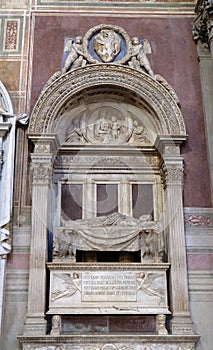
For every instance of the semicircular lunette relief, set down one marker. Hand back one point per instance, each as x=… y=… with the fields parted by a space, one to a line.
x=107 y=122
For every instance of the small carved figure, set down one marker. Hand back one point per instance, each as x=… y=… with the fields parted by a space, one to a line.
x=115 y=128
x=153 y=249
x=107 y=44
x=139 y=56
x=160 y=325
x=111 y=220
x=63 y=245
x=145 y=282
x=138 y=133
x=75 y=57
x=72 y=285
x=56 y=325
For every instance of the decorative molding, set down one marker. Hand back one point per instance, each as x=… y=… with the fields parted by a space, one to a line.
x=198 y=218
x=67 y=163
x=200 y=285
x=12 y=33
x=118 y=342
x=51 y=100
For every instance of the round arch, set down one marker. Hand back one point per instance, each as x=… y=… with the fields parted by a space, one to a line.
x=143 y=89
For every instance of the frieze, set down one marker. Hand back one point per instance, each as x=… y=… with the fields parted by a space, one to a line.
x=129 y=344
x=198 y=220
x=91 y=162
x=41 y=148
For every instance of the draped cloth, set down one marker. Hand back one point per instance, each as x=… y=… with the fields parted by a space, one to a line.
x=115 y=232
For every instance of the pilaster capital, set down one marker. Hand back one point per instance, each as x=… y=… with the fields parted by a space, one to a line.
x=202 y=27
x=172 y=173
x=44 y=143
x=169 y=146
x=42 y=158
x=41 y=167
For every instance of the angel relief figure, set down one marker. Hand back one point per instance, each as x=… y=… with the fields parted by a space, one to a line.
x=75 y=57
x=150 y=284
x=140 y=50
x=70 y=285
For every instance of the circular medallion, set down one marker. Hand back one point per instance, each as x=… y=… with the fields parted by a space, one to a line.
x=107 y=44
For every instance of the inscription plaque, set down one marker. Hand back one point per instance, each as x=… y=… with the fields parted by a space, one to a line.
x=108 y=289
x=109 y=286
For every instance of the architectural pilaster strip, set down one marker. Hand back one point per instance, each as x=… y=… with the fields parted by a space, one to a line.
x=5 y=248
x=203 y=36
x=172 y=170
x=42 y=162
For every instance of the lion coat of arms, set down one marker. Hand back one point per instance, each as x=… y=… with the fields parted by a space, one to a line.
x=107 y=45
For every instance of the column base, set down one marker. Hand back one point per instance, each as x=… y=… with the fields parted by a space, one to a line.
x=181 y=325
x=35 y=325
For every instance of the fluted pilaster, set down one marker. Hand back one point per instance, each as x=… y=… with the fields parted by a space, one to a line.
x=41 y=164
x=172 y=176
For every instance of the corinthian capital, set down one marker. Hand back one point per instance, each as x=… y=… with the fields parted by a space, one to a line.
x=172 y=174
x=201 y=26
x=41 y=173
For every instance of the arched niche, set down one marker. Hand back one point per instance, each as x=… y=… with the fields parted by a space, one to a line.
x=122 y=89
x=83 y=83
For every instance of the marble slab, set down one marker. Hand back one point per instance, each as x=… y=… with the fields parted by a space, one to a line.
x=108 y=288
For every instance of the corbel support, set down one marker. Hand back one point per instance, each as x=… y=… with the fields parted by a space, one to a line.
x=42 y=159
x=172 y=176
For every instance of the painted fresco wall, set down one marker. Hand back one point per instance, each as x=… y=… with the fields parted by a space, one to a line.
x=31 y=47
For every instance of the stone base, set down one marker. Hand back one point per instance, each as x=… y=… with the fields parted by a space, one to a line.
x=35 y=325
x=109 y=342
x=181 y=325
